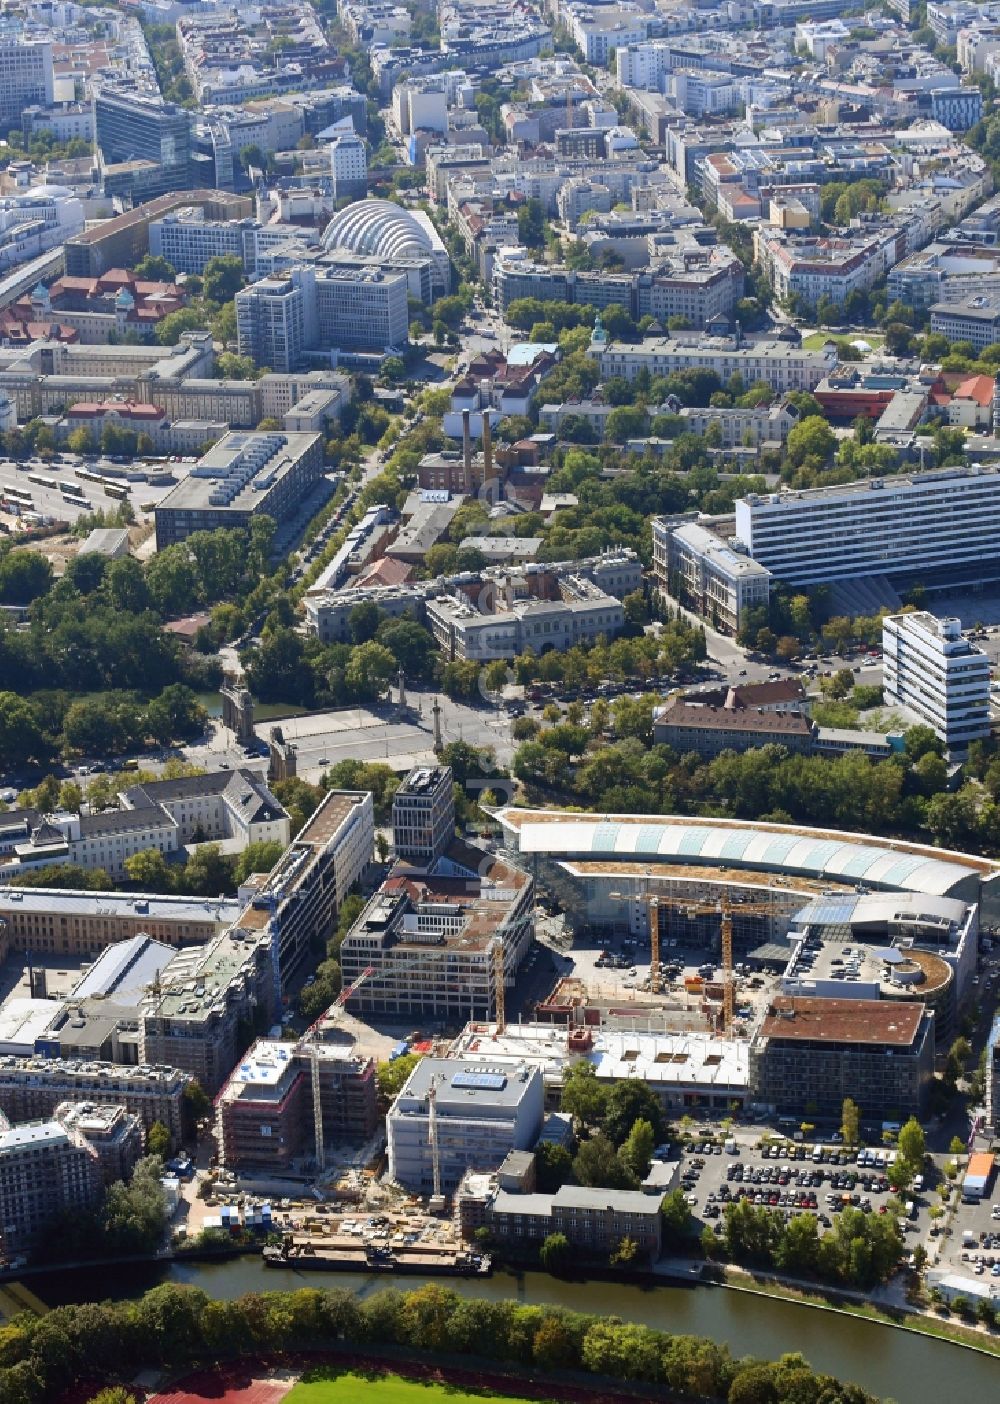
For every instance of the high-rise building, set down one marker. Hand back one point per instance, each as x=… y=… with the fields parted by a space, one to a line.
x=270 y=322
x=349 y=166
x=25 y=77
x=131 y=128
x=280 y=318
x=930 y=668
x=423 y=816
x=937 y=527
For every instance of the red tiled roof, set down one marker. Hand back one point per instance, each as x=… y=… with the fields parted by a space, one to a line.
x=978 y=388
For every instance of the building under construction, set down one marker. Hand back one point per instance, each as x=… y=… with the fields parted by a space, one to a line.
x=265 y=1114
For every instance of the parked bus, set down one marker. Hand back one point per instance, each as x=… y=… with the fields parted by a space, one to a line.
x=71 y=488
x=116 y=490
x=19 y=495
x=41 y=480
x=88 y=475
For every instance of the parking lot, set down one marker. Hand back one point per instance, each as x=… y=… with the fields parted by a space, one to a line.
x=973 y=1245
x=791 y=1177
x=38 y=484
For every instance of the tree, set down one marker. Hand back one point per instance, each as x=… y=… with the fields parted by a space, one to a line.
x=391 y=1077
x=596 y=1164
x=636 y=1151
x=556 y=1254
x=21 y=736
x=116 y=1394
x=209 y=872
x=583 y=1097
x=624 y=1253
x=553 y=1167
x=363 y=621
x=170 y=329
x=850 y=1122
x=158 y=1139
x=150 y=871
x=677 y=1219
x=154 y=268
x=257 y=858
x=628 y=1102
x=531 y=224
x=24 y=576
x=911 y=1151
x=812 y=438
x=318 y=996
x=223 y=278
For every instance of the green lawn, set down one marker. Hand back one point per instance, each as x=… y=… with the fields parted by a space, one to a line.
x=328 y=1386
x=817 y=339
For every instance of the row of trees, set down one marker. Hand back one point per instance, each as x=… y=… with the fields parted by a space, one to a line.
x=905 y=794
x=859 y=1250
x=40 y=1357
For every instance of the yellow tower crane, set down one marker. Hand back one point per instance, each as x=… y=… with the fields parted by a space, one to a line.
x=691 y=907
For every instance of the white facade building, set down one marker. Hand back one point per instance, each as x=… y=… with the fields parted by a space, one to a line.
x=780 y=364
x=481 y=1113
x=930 y=668
x=943 y=523
x=721 y=584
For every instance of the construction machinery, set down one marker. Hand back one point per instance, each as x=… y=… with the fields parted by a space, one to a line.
x=691 y=908
x=499 y=988
x=310 y=1040
x=437 y=1198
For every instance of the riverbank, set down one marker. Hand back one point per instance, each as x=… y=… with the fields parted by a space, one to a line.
x=915 y=1366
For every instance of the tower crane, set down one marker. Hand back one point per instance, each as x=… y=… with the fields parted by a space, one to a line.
x=432 y=1136
x=499 y=987
x=692 y=907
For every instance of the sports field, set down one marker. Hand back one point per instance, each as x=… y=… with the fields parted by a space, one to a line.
x=329 y=1387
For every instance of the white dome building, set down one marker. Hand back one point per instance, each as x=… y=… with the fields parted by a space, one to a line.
x=380 y=229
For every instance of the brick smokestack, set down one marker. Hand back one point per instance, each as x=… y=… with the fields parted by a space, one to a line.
x=487 y=448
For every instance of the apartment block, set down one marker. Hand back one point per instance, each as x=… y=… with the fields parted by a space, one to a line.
x=811 y=1053
x=130 y=127
x=311 y=308
x=265 y=1112
x=46 y=1170
x=481 y=1112
x=32 y=1087
x=262 y=1112
x=115 y=1133
x=709 y=730
x=930 y=668
x=593 y=1220
x=936 y=526
x=349 y=166
x=304 y=891
x=975 y=319
x=993 y=1078
x=194 y=1018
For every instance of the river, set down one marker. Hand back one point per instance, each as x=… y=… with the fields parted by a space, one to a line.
x=909 y=1368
